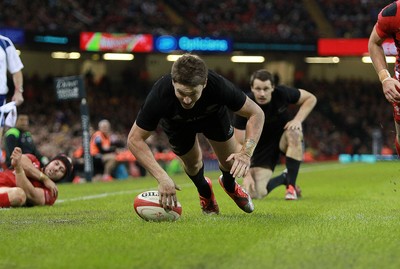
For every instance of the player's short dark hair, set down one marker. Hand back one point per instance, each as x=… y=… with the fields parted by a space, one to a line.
x=189 y=70
x=262 y=75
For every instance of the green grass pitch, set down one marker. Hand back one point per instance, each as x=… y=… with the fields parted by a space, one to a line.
x=349 y=217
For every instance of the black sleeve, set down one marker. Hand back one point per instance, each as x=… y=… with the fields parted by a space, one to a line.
x=231 y=96
x=239 y=122
x=292 y=95
x=152 y=110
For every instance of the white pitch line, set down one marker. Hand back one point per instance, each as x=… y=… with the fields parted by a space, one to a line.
x=103 y=195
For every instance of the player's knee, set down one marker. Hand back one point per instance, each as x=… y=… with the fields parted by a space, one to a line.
x=259 y=193
x=17 y=197
x=295 y=138
x=193 y=167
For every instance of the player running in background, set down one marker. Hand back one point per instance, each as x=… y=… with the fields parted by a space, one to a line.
x=10 y=60
x=191 y=100
x=388 y=26
x=29 y=185
x=281 y=134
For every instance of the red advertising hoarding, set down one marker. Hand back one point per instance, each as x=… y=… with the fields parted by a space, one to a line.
x=350 y=47
x=96 y=41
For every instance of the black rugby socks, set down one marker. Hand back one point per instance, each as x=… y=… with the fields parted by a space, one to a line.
x=276 y=181
x=201 y=184
x=229 y=181
x=293 y=167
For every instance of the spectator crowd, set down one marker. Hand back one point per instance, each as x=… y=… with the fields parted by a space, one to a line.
x=347 y=113
x=273 y=21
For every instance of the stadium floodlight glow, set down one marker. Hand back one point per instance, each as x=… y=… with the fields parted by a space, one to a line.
x=247 y=59
x=118 y=56
x=74 y=55
x=65 y=55
x=389 y=59
x=322 y=60
x=173 y=57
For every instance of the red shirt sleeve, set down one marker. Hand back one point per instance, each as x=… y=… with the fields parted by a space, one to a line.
x=48 y=198
x=388 y=20
x=34 y=160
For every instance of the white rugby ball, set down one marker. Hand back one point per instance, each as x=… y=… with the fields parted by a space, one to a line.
x=147 y=206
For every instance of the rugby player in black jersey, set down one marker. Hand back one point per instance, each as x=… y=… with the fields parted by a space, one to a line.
x=188 y=101
x=281 y=134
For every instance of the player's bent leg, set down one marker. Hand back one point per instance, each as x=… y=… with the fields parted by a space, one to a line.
x=397 y=138
x=249 y=184
x=16 y=197
x=239 y=196
x=194 y=168
x=292 y=144
x=396 y=112
x=223 y=150
x=397 y=144
x=192 y=160
x=209 y=206
x=261 y=178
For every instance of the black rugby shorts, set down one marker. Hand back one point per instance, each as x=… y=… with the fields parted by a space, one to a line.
x=182 y=135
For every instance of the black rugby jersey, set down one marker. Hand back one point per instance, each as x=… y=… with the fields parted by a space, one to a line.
x=276 y=112
x=162 y=104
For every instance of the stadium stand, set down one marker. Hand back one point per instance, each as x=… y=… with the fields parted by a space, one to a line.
x=339 y=124
x=351 y=19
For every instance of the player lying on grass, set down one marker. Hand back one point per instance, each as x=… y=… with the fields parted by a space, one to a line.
x=26 y=184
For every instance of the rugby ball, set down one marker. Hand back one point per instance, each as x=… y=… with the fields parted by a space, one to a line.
x=147 y=206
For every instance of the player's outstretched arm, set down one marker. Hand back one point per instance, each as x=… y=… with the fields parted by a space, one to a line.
x=306 y=103
x=255 y=123
x=390 y=85
x=139 y=148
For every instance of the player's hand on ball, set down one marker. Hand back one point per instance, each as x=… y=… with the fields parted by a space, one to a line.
x=167 y=194
x=147 y=206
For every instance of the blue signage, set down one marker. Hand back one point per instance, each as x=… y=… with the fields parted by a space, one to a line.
x=166 y=43
x=205 y=44
x=51 y=39
x=16 y=35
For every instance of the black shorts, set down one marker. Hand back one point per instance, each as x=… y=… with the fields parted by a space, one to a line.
x=182 y=135
x=267 y=154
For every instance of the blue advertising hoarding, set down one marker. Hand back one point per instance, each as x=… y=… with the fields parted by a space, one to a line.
x=167 y=43
x=16 y=35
